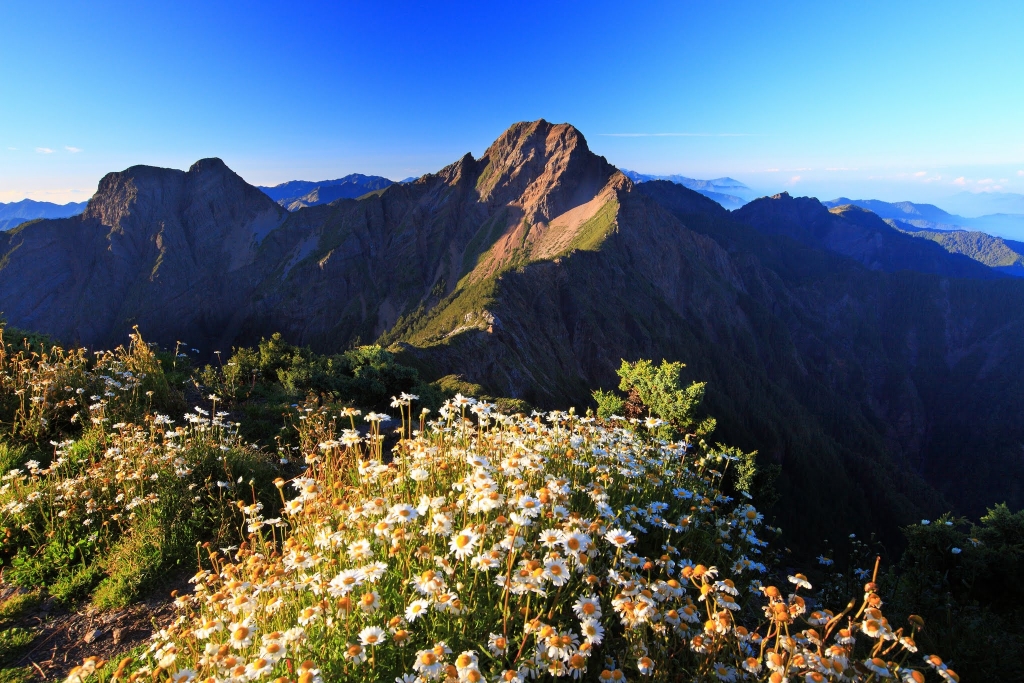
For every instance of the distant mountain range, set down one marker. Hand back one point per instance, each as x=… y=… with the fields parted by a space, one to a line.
x=931 y=217
x=16 y=213
x=868 y=366
x=730 y=193
x=297 y=194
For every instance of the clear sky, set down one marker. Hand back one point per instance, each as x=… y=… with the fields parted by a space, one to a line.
x=893 y=100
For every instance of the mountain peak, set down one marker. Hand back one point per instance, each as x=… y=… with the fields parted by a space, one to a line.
x=526 y=140
x=210 y=165
x=545 y=168
x=140 y=195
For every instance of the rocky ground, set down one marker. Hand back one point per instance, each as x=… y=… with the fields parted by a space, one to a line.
x=64 y=637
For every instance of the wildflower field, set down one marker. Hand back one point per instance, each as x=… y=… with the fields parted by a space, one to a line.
x=454 y=544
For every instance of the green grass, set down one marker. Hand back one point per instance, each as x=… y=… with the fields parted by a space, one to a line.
x=483 y=240
x=13 y=643
x=18 y=605
x=594 y=232
x=23 y=674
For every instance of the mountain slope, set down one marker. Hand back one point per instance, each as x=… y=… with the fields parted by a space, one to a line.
x=534 y=269
x=1006 y=256
x=857 y=233
x=16 y=213
x=165 y=249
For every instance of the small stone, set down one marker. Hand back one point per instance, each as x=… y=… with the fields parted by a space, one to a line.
x=92 y=635
x=116 y=634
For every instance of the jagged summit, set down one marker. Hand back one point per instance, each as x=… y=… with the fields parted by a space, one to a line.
x=545 y=168
x=150 y=193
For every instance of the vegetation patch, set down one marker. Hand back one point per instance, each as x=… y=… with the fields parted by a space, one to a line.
x=597 y=228
x=466 y=541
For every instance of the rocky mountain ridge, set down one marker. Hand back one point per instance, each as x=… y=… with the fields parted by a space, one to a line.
x=858 y=233
x=851 y=357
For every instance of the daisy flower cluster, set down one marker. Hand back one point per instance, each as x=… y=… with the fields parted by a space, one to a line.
x=489 y=547
x=72 y=503
x=97 y=489
x=46 y=392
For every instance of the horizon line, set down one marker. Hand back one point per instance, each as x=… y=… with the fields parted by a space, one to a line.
x=678 y=135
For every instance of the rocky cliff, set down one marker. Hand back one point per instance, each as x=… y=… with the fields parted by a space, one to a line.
x=168 y=250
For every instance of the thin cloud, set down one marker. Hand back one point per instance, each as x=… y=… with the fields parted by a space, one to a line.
x=73 y=150
x=15 y=149
x=1021 y=173
x=921 y=174
x=61 y=196
x=44 y=150
x=841 y=168
x=961 y=181
x=794 y=180
x=676 y=135
x=771 y=170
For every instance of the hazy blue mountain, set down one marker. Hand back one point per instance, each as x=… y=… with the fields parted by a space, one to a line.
x=901 y=210
x=955 y=234
x=1009 y=225
x=1004 y=255
x=931 y=217
x=16 y=213
x=296 y=194
x=858 y=233
x=986 y=203
x=729 y=192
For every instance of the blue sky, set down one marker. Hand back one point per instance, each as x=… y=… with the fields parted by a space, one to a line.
x=894 y=100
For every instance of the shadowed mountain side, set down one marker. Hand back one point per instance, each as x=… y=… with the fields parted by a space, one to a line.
x=934 y=365
x=1006 y=256
x=656 y=289
x=857 y=233
x=167 y=250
